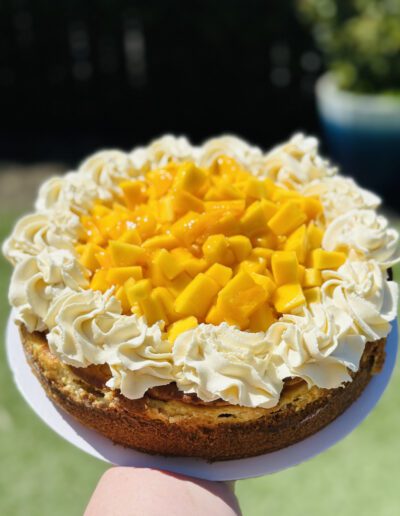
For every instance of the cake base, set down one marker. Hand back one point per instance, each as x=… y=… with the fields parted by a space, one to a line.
x=182 y=429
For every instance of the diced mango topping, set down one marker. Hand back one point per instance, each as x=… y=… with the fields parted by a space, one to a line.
x=188 y=245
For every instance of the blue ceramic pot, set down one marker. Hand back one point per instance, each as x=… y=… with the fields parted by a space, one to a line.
x=363 y=136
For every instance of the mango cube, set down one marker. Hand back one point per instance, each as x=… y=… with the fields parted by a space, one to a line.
x=297 y=242
x=153 y=309
x=284 y=266
x=134 y=193
x=131 y=236
x=190 y=178
x=322 y=259
x=88 y=257
x=220 y=273
x=119 y=275
x=254 y=220
x=197 y=297
x=168 y=264
x=241 y=246
x=120 y=294
x=288 y=218
x=216 y=249
x=126 y=254
x=166 y=241
x=312 y=295
x=312 y=207
x=288 y=297
x=165 y=297
x=136 y=291
x=185 y=201
x=181 y=326
x=99 y=281
x=314 y=236
x=265 y=282
x=262 y=318
x=312 y=278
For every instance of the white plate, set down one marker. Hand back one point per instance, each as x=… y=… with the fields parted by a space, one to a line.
x=93 y=443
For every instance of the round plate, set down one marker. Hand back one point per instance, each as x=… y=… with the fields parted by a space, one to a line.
x=93 y=443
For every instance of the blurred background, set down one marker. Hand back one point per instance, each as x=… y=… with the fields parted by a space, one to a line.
x=76 y=76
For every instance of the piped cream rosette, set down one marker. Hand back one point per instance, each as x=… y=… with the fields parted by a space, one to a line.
x=320 y=343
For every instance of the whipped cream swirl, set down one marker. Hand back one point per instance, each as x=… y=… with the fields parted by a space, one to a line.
x=319 y=346
x=366 y=233
x=37 y=280
x=224 y=362
x=361 y=289
x=340 y=195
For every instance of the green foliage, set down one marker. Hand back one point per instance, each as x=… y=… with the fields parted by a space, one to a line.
x=360 y=40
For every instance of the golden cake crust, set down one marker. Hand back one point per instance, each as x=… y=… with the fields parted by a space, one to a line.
x=171 y=426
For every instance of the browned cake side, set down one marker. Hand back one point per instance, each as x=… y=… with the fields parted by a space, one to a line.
x=163 y=423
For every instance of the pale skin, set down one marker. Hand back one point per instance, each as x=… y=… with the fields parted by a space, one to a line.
x=125 y=491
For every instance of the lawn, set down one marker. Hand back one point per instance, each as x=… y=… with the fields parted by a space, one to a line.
x=41 y=475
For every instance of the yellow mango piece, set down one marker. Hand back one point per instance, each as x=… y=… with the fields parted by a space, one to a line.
x=262 y=318
x=216 y=249
x=159 y=182
x=312 y=207
x=99 y=211
x=214 y=316
x=188 y=228
x=265 y=282
x=301 y=270
x=126 y=254
x=268 y=240
x=194 y=266
x=282 y=195
x=241 y=296
x=153 y=309
x=168 y=264
x=134 y=193
x=297 y=242
x=120 y=294
x=288 y=218
x=178 y=284
x=220 y=273
x=165 y=297
x=119 y=275
x=181 y=326
x=284 y=266
x=236 y=206
x=241 y=246
x=260 y=252
x=197 y=297
x=136 y=291
x=229 y=167
x=131 y=236
x=146 y=224
x=312 y=278
x=270 y=187
x=166 y=212
x=111 y=225
x=322 y=259
x=185 y=201
x=99 y=281
x=252 y=188
x=254 y=220
x=88 y=257
x=314 y=236
x=166 y=241
x=251 y=266
x=91 y=232
x=104 y=259
x=288 y=297
x=226 y=191
x=136 y=310
x=191 y=178
x=217 y=222
x=312 y=295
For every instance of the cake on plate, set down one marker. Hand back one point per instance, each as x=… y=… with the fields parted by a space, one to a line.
x=210 y=301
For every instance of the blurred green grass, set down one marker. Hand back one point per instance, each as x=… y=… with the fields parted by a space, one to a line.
x=42 y=475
